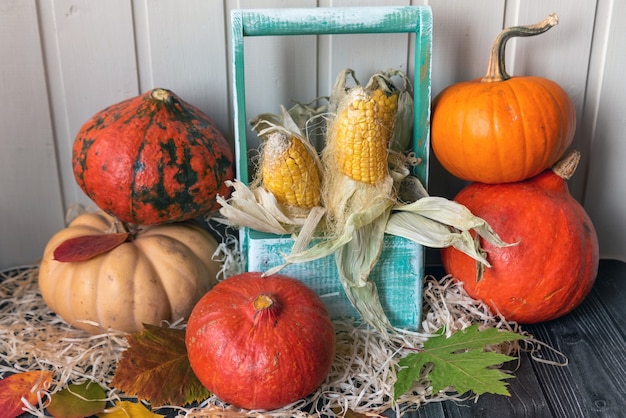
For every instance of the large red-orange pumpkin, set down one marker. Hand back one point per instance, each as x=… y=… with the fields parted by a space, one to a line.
x=260 y=342
x=152 y=159
x=500 y=128
x=554 y=265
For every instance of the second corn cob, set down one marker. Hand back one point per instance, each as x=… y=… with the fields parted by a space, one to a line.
x=363 y=131
x=289 y=171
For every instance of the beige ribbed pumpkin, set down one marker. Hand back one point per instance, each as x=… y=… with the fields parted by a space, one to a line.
x=157 y=275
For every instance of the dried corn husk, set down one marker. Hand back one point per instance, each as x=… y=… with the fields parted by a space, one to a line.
x=359 y=203
x=256 y=207
x=437 y=223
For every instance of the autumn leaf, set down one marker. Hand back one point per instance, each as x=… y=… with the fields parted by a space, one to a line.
x=459 y=361
x=349 y=413
x=86 y=247
x=155 y=368
x=127 y=409
x=78 y=400
x=22 y=385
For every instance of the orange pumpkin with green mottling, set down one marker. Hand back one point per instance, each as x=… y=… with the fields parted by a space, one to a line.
x=152 y=159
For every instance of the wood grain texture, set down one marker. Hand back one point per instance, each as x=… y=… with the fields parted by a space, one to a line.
x=589 y=344
x=278 y=70
x=399 y=282
x=592 y=383
x=30 y=196
x=184 y=49
x=365 y=54
x=526 y=400
x=460 y=52
x=98 y=53
x=561 y=54
x=605 y=197
x=90 y=57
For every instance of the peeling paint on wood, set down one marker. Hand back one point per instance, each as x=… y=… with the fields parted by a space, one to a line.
x=398 y=275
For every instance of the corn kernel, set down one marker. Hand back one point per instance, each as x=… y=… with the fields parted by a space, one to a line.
x=289 y=171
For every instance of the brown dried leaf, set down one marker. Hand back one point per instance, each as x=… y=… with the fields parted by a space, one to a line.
x=351 y=414
x=88 y=246
x=155 y=368
x=22 y=385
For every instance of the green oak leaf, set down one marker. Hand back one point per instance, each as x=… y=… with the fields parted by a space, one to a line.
x=459 y=361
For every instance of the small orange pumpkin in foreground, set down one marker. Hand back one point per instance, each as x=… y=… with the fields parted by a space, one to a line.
x=260 y=342
x=152 y=159
x=555 y=263
x=501 y=129
x=159 y=274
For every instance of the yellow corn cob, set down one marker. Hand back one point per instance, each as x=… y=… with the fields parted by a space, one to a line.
x=289 y=171
x=363 y=131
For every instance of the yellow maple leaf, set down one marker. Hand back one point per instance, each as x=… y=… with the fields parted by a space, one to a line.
x=127 y=409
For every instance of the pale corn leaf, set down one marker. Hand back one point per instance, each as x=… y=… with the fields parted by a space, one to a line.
x=246 y=214
x=355 y=261
x=321 y=249
x=403 y=126
x=471 y=247
x=419 y=229
x=355 y=221
x=454 y=214
x=442 y=210
x=311 y=120
x=243 y=209
x=433 y=234
x=288 y=121
x=270 y=205
x=303 y=238
x=366 y=301
x=309 y=227
x=266 y=123
x=357 y=258
x=340 y=89
x=379 y=208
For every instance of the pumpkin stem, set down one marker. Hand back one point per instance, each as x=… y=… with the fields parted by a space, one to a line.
x=265 y=310
x=496 y=70
x=567 y=165
x=161 y=94
x=120 y=226
x=262 y=302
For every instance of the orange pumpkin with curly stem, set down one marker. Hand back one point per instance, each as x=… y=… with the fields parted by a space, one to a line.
x=501 y=129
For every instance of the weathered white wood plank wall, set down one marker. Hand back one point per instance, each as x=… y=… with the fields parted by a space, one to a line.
x=63 y=61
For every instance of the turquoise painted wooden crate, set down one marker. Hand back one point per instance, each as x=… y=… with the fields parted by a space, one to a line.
x=400 y=270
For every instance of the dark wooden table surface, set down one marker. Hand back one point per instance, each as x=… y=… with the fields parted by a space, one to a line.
x=593 y=384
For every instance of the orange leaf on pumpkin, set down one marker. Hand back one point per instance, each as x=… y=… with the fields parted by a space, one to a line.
x=25 y=385
x=88 y=246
